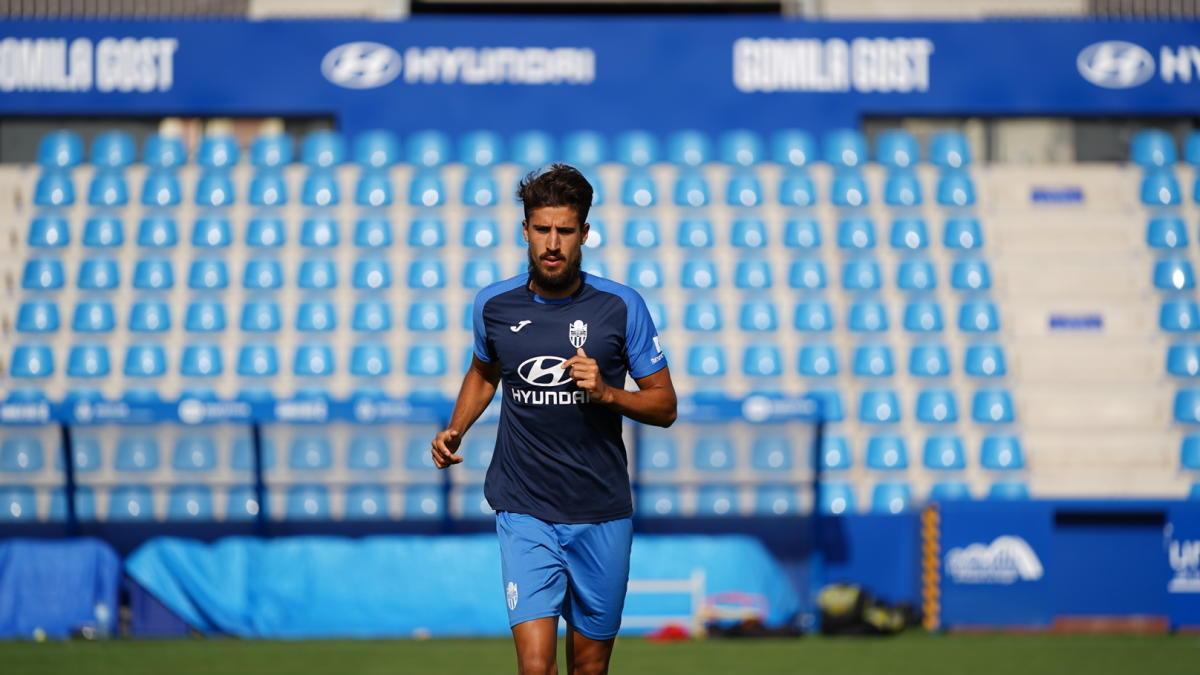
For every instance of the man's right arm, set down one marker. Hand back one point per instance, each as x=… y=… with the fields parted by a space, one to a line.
x=478 y=388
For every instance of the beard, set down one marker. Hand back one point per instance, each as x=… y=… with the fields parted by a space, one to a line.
x=558 y=281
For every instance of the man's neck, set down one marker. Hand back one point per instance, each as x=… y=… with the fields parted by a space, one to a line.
x=566 y=292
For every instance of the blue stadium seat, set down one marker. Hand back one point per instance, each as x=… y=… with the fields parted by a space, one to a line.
x=417 y=459
x=426 y=189
x=317 y=274
x=271 y=151
x=963 y=234
x=164 y=152
x=242 y=454
x=1189 y=453
x=194 y=452
x=1174 y=275
x=757 y=315
x=817 y=360
x=1001 y=453
x=479 y=273
x=531 y=149
x=113 y=150
x=658 y=500
x=310 y=453
x=807 y=274
x=428 y=274
x=368 y=452
x=896 y=148
x=704 y=315
x=320 y=188
x=211 y=232
x=868 y=316
x=955 y=188
x=887 y=453
x=749 y=233
x=371 y=317
x=849 y=189
x=480 y=149
x=88 y=361
x=43 y=274
x=937 y=406
x=54 y=188
x=916 y=275
x=792 y=147
x=38 y=316
x=364 y=502
x=205 y=317
x=268 y=188
x=695 y=233
x=691 y=190
x=145 y=360
x=1179 y=316
x=873 y=361
x=835 y=453
x=157 y=232
x=923 y=316
x=200 y=361
x=261 y=317
x=645 y=274
x=480 y=233
x=845 y=148
x=427 y=149
x=752 y=274
x=214 y=189
x=741 y=147
x=772 y=453
x=642 y=233
x=136 y=453
x=372 y=274
x=637 y=148
x=1183 y=360
x=130 y=503
x=316 y=316
x=313 y=360
x=714 y=453
x=161 y=188
x=970 y=275
x=992 y=406
x=93 y=316
x=1160 y=188
x=377 y=149
x=699 y=274
x=978 y=316
x=427 y=233
x=797 y=189
x=217 y=151
x=658 y=314
x=802 y=233
x=779 y=500
x=49 y=231
x=323 y=149
x=1194 y=492
x=479 y=190
x=108 y=188
x=423 y=501
x=1008 y=490
x=949 y=149
x=308 y=502
x=258 y=360
x=944 y=453
x=1153 y=148
x=891 y=497
x=242 y=504
x=426 y=360
x=717 y=500
x=856 y=233
x=706 y=360
x=1191 y=148
x=829 y=402
x=984 y=360
x=427 y=316
x=17 y=503
x=190 y=502
x=61 y=149
x=689 y=148
x=879 y=406
x=262 y=274
x=1187 y=406
x=319 y=232
x=949 y=490
x=637 y=189
x=584 y=149
x=836 y=498
x=85 y=504
x=909 y=233
x=744 y=189
x=861 y=275
x=762 y=360
x=21 y=454
x=814 y=316
x=902 y=188
x=370 y=360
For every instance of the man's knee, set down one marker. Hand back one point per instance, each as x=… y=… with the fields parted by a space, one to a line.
x=593 y=664
x=537 y=664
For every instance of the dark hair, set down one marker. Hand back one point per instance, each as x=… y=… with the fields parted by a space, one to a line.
x=556 y=185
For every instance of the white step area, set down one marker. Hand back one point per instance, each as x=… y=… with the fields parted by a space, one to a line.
x=1074 y=231
x=1057 y=451
x=1133 y=319
x=1107 y=482
x=1115 y=276
x=1086 y=360
x=1094 y=407
x=1104 y=187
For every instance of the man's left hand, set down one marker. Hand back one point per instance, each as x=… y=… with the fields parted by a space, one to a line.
x=586 y=374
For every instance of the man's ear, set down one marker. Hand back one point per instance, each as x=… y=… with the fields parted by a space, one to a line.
x=587 y=227
x=525 y=230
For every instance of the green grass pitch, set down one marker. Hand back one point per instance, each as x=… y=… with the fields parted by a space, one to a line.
x=914 y=653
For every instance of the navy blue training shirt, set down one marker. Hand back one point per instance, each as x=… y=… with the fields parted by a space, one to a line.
x=559 y=457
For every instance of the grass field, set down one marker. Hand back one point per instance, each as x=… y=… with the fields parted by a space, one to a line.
x=911 y=654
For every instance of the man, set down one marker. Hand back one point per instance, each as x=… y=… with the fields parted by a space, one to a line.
x=562 y=341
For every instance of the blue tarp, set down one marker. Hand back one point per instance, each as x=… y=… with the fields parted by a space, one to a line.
x=57 y=587
x=304 y=587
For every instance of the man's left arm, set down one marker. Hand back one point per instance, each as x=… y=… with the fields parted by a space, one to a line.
x=653 y=403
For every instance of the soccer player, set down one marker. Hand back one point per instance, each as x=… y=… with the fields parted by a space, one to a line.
x=562 y=341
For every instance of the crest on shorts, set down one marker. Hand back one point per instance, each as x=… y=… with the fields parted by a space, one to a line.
x=510 y=592
x=578 y=333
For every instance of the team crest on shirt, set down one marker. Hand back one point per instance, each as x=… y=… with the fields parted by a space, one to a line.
x=511 y=593
x=578 y=333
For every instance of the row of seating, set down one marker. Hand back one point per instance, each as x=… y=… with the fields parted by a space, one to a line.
x=1156 y=148
x=377 y=149
x=1161 y=188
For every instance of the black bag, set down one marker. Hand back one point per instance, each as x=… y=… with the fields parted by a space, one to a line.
x=848 y=609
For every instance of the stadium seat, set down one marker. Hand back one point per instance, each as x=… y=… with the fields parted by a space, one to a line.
x=316 y=316
x=949 y=150
x=902 y=188
x=426 y=189
x=161 y=188
x=205 y=317
x=323 y=149
x=873 y=361
x=268 y=188
x=271 y=151
x=779 y=500
x=1183 y=360
x=164 y=152
x=717 y=500
x=802 y=233
x=242 y=504
x=368 y=452
x=818 y=360
x=93 y=316
x=371 y=317
x=1008 y=490
x=366 y=501
x=797 y=189
x=835 y=453
x=426 y=360
x=992 y=406
x=868 y=316
x=317 y=274
x=916 y=275
x=1189 y=453
x=113 y=150
x=703 y=315
x=42 y=274
x=849 y=189
x=217 y=151
x=428 y=274
x=311 y=452
x=319 y=232
x=1001 y=453
x=706 y=360
x=637 y=148
x=61 y=149
x=743 y=189
x=749 y=233
x=479 y=273
x=371 y=274
x=891 y=497
x=49 y=231
x=691 y=190
x=423 y=501
x=370 y=361
x=194 y=452
x=978 y=316
x=741 y=147
x=427 y=233
x=644 y=274
x=376 y=149
x=887 y=453
x=374 y=232
x=1174 y=275
x=658 y=500
x=695 y=233
x=427 y=316
x=145 y=360
x=641 y=233
x=757 y=315
x=37 y=316
x=762 y=360
x=807 y=274
x=320 y=188
x=1160 y=188
x=845 y=148
x=856 y=233
x=1153 y=148
x=108 y=188
x=944 y=453
x=836 y=498
x=970 y=275
x=792 y=147
x=699 y=274
x=984 y=360
x=88 y=361
x=427 y=149
x=585 y=149
x=714 y=453
x=200 y=361
x=533 y=149
x=313 y=360
x=479 y=190
x=190 y=502
x=1187 y=406
x=909 y=234
x=952 y=490
x=157 y=232
x=1179 y=316
x=937 y=406
x=21 y=454
x=136 y=453
x=637 y=189
x=480 y=149
x=130 y=502
x=214 y=189
x=211 y=232
x=54 y=188
x=955 y=188
x=1191 y=148
x=829 y=404
x=689 y=148
x=772 y=453
x=861 y=275
x=752 y=274
x=813 y=316
x=262 y=274
x=923 y=316
x=879 y=406
x=480 y=233
x=260 y=317
x=17 y=503
x=308 y=502
x=85 y=504
x=963 y=233
x=896 y=148
x=258 y=360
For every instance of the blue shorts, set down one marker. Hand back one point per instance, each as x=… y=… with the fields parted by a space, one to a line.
x=579 y=572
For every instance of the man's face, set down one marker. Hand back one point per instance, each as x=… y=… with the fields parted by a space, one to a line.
x=555 y=238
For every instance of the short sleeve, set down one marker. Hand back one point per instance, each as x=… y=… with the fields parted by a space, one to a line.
x=483 y=350
x=641 y=340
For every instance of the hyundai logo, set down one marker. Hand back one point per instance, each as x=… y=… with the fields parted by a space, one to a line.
x=544 y=371
x=1115 y=64
x=361 y=65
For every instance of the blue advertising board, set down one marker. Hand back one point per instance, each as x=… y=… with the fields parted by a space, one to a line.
x=607 y=74
x=1181 y=544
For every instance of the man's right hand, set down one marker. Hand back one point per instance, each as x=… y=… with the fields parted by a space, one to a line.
x=444 y=447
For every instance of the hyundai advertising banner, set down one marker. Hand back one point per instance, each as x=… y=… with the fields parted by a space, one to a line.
x=606 y=74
